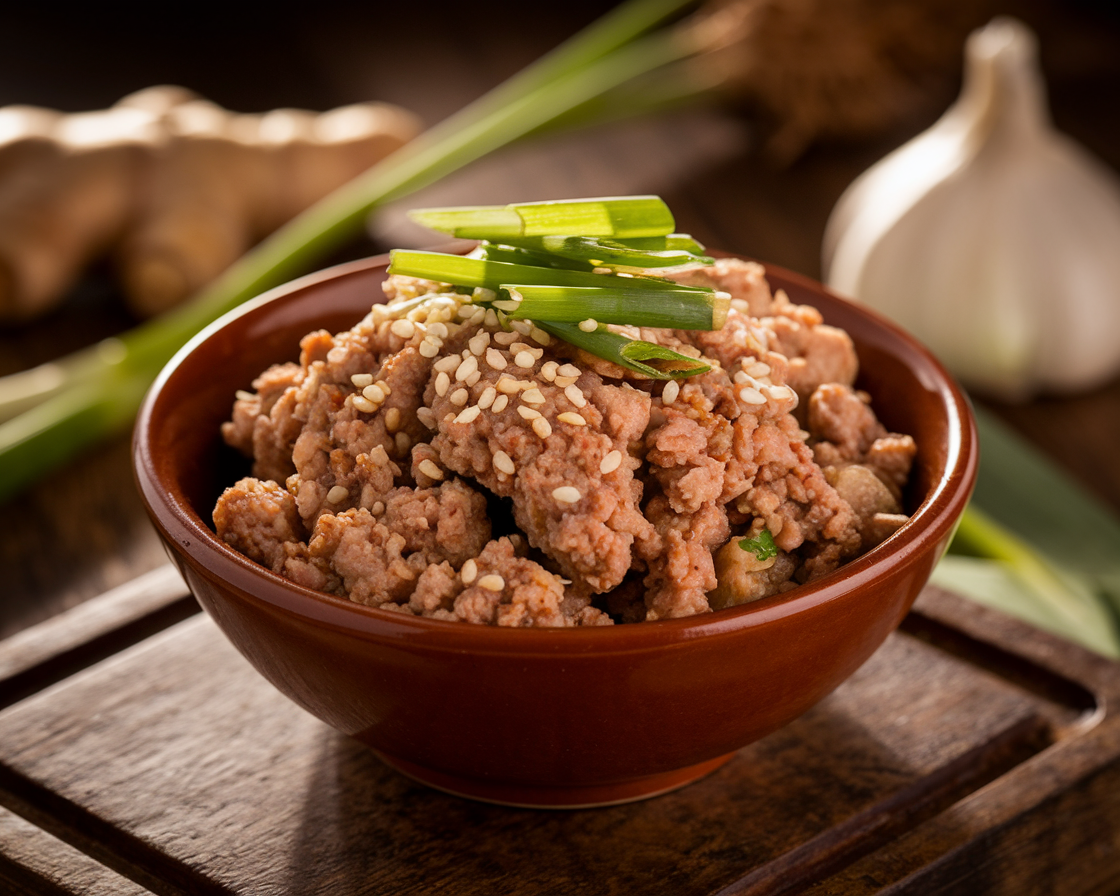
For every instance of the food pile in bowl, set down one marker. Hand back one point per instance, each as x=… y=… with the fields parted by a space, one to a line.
x=585 y=421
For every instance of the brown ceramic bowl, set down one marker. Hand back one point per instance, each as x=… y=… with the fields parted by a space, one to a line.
x=532 y=716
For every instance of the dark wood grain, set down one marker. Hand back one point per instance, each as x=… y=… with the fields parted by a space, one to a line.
x=177 y=764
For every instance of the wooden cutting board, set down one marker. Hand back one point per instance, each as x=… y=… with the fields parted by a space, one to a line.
x=139 y=752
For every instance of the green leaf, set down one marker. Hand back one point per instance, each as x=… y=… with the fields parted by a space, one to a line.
x=653 y=361
x=600 y=252
x=762 y=545
x=685 y=309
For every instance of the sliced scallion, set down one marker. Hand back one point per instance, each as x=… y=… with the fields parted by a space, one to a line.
x=654 y=361
x=516 y=255
x=602 y=252
x=685 y=309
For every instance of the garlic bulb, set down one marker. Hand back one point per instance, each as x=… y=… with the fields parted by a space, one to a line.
x=991 y=237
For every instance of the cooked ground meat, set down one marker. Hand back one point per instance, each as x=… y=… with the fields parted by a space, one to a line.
x=435 y=464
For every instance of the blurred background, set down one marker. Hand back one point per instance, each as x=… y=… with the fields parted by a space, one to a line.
x=735 y=179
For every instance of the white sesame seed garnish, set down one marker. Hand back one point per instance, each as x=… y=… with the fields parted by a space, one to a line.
x=378 y=508
x=373 y=393
x=403 y=328
x=459 y=397
x=469 y=366
x=426 y=417
x=565 y=381
x=469 y=414
x=443 y=383
x=393 y=419
x=482 y=294
x=487 y=397
x=540 y=336
x=524 y=360
x=469 y=572
x=428 y=349
x=569 y=370
x=492 y=582
x=437 y=328
x=589 y=326
x=742 y=378
x=611 y=462
x=242 y=395
x=751 y=395
x=759 y=368
x=508 y=385
x=446 y=365
x=574 y=395
x=491 y=318
x=504 y=338
x=571 y=417
x=524 y=327
x=548 y=371
x=429 y=469
x=533 y=396
x=404 y=443
x=361 y=380
x=337 y=354
x=384 y=387
x=473 y=378
x=528 y=413
x=499 y=404
x=495 y=359
x=670 y=392
x=378 y=455
x=504 y=463
x=338 y=494
x=542 y=427
x=508 y=306
x=566 y=494
x=477 y=317
x=363 y=404
x=478 y=342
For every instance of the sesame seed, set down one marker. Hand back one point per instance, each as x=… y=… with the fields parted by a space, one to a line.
x=589 y=326
x=504 y=463
x=495 y=359
x=378 y=455
x=548 y=371
x=505 y=338
x=459 y=397
x=337 y=355
x=524 y=359
x=242 y=395
x=469 y=366
x=499 y=404
x=378 y=508
x=466 y=312
x=443 y=383
x=491 y=318
x=403 y=442
x=540 y=336
x=542 y=427
x=468 y=415
x=533 y=396
x=503 y=305
x=479 y=342
x=571 y=417
x=565 y=381
x=508 y=385
x=569 y=370
x=428 y=349
x=426 y=417
x=611 y=462
x=487 y=397
x=338 y=494
x=482 y=294
x=574 y=395
x=361 y=380
x=403 y=328
x=393 y=419
x=363 y=404
x=524 y=327
x=566 y=494
x=528 y=413
x=670 y=392
x=384 y=387
x=759 y=368
x=492 y=582
x=469 y=572
x=751 y=395
x=742 y=378
x=446 y=365
x=429 y=469
x=473 y=378
x=373 y=393
x=437 y=328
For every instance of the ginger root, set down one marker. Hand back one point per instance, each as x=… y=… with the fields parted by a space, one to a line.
x=174 y=187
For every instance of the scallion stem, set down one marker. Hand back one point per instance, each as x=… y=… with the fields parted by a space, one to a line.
x=646 y=358
x=685 y=309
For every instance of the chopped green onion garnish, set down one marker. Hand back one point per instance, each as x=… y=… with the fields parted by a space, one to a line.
x=762 y=546
x=461 y=270
x=675 y=242
x=621 y=217
x=654 y=361
x=515 y=255
x=601 y=252
x=686 y=309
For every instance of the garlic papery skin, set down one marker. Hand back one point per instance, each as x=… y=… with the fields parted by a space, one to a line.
x=991 y=237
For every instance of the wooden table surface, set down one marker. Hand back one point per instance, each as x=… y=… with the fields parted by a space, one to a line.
x=82 y=531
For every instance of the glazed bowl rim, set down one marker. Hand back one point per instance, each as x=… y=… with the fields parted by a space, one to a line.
x=930 y=524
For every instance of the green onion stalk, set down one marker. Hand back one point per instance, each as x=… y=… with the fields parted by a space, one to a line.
x=52 y=412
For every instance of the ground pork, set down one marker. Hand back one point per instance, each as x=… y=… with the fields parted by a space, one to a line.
x=431 y=462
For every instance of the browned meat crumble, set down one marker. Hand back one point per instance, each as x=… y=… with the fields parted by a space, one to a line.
x=443 y=467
